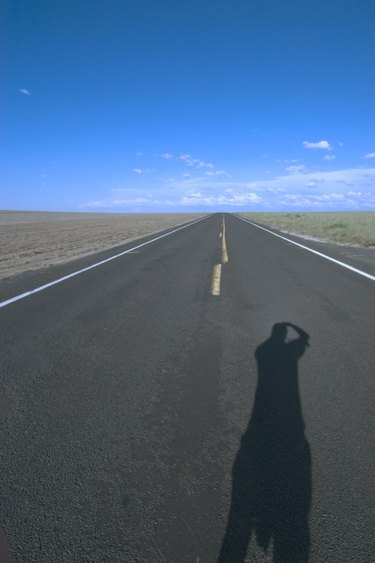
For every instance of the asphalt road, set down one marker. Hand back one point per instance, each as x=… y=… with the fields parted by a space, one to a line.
x=144 y=419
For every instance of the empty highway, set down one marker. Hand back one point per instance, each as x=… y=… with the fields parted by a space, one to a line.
x=207 y=395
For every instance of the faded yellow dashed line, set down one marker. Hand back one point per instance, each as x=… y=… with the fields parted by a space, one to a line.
x=216 y=280
x=216 y=274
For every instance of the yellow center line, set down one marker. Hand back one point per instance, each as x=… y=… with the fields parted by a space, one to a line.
x=216 y=274
x=216 y=279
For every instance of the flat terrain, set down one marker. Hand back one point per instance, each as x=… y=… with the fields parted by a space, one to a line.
x=31 y=240
x=143 y=419
x=356 y=228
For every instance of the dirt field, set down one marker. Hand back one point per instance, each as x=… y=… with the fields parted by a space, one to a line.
x=30 y=240
x=351 y=228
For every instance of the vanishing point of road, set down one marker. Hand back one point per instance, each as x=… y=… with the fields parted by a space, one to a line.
x=206 y=395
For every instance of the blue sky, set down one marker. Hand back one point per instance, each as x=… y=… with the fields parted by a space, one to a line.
x=176 y=105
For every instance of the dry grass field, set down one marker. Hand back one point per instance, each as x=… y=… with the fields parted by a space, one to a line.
x=30 y=240
x=356 y=228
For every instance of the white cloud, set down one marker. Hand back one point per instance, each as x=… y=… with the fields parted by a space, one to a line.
x=25 y=92
x=329 y=157
x=167 y=156
x=222 y=199
x=300 y=169
x=139 y=153
x=217 y=174
x=142 y=202
x=195 y=162
x=370 y=155
x=330 y=197
x=142 y=171
x=318 y=145
x=330 y=190
x=350 y=189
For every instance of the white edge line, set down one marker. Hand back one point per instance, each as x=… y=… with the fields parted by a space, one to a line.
x=73 y=274
x=343 y=264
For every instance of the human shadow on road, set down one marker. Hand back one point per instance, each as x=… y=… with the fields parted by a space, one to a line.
x=271 y=490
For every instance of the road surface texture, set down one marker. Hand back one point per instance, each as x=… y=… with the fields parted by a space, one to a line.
x=144 y=419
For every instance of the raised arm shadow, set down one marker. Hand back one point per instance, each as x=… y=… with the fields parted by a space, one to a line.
x=271 y=487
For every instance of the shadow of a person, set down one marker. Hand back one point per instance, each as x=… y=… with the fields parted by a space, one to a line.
x=271 y=489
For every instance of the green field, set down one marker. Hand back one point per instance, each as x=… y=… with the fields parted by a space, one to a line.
x=341 y=227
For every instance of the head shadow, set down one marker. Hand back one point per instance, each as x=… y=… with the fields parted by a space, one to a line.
x=271 y=487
